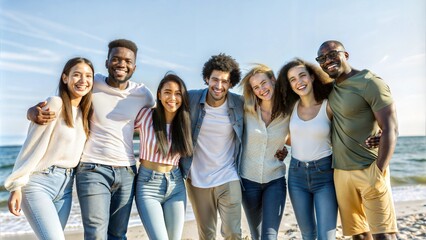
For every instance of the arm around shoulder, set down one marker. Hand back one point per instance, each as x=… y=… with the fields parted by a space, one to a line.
x=44 y=112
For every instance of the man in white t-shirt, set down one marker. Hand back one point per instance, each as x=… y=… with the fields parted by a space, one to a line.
x=105 y=175
x=212 y=172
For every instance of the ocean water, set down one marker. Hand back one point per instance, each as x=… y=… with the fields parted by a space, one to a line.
x=408 y=177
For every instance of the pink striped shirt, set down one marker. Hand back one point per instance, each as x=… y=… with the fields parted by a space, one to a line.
x=148 y=142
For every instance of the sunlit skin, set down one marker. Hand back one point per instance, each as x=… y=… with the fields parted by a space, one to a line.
x=121 y=65
x=262 y=86
x=79 y=82
x=301 y=83
x=171 y=99
x=338 y=67
x=218 y=86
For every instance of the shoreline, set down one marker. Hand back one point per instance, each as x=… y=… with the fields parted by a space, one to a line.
x=411 y=217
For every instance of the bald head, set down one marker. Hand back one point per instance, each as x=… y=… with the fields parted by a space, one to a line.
x=331 y=44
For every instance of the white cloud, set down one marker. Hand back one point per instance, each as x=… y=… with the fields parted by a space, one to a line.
x=27 y=57
x=53 y=39
x=163 y=64
x=30 y=22
x=416 y=58
x=38 y=50
x=14 y=67
x=384 y=59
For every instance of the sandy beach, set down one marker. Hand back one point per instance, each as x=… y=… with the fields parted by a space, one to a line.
x=411 y=222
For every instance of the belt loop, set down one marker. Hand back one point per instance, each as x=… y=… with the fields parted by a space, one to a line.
x=152 y=174
x=172 y=173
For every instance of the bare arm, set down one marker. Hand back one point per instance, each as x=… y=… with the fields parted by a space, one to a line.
x=386 y=118
x=38 y=115
x=14 y=202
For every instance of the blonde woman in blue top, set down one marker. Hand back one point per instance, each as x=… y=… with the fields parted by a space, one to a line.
x=262 y=174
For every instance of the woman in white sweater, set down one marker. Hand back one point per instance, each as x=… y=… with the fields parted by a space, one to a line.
x=42 y=178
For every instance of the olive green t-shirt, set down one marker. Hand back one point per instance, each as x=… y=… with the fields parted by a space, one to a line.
x=353 y=102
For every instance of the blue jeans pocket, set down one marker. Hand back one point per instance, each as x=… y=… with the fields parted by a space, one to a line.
x=86 y=167
x=131 y=170
x=324 y=168
x=144 y=174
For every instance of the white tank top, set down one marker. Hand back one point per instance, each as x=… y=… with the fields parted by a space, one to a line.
x=310 y=140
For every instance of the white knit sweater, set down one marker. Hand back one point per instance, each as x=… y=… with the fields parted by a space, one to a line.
x=48 y=145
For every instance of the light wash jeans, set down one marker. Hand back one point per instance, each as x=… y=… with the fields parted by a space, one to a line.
x=312 y=194
x=264 y=206
x=106 y=195
x=46 y=201
x=161 y=202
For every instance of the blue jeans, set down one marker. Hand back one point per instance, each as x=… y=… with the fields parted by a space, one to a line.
x=46 y=201
x=311 y=188
x=161 y=202
x=106 y=195
x=264 y=206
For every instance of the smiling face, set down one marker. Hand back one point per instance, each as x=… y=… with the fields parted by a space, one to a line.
x=79 y=81
x=262 y=86
x=335 y=63
x=218 y=85
x=300 y=80
x=170 y=97
x=121 y=64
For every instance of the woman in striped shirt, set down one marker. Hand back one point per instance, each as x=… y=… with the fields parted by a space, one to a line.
x=165 y=137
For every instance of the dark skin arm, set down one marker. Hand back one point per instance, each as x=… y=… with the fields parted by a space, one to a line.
x=386 y=118
x=280 y=154
x=371 y=142
x=38 y=115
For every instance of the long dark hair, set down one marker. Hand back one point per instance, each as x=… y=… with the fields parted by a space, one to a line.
x=86 y=101
x=322 y=84
x=180 y=127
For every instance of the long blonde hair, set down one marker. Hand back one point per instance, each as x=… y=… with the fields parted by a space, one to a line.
x=250 y=99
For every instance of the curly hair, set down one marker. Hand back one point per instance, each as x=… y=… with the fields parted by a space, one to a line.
x=123 y=43
x=224 y=63
x=322 y=84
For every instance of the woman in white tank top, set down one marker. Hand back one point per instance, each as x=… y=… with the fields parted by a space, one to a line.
x=310 y=180
x=305 y=89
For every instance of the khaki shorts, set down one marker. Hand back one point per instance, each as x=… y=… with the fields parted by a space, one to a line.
x=365 y=201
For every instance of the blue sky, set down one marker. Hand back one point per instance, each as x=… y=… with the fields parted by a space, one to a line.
x=37 y=37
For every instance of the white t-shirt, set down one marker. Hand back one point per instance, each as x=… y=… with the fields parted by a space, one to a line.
x=112 y=124
x=310 y=140
x=213 y=162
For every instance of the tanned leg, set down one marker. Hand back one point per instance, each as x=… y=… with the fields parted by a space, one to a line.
x=363 y=236
x=384 y=236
